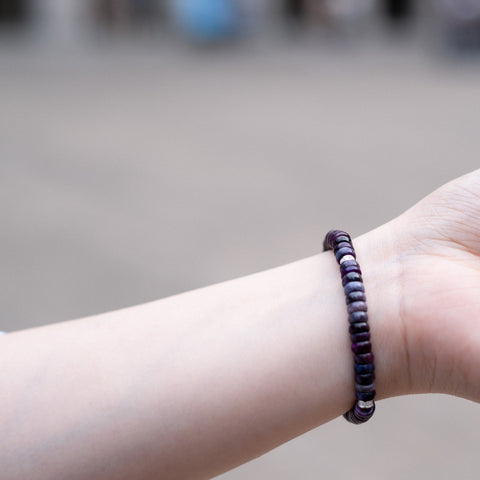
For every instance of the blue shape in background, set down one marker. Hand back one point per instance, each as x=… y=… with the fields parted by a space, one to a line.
x=207 y=19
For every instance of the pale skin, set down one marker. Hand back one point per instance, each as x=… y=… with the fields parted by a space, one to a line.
x=190 y=386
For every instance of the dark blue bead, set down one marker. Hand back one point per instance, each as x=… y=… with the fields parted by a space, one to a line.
x=359 y=327
x=356 y=317
x=365 y=396
x=364 y=368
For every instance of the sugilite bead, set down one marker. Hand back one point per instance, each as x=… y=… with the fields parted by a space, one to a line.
x=364 y=369
x=357 y=307
x=356 y=317
x=348 y=263
x=361 y=347
x=365 y=396
x=365 y=379
x=363 y=413
x=353 y=287
x=351 y=277
x=351 y=417
x=340 y=245
x=365 y=388
x=364 y=358
x=343 y=238
x=335 y=236
x=355 y=297
x=349 y=268
x=344 y=251
x=360 y=337
x=359 y=327
x=358 y=415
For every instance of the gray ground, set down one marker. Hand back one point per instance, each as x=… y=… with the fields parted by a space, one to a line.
x=132 y=172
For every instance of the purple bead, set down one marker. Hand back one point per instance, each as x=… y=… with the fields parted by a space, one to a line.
x=362 y=347
x=360 y=337
x=351 y=277
x=357 y=307
x=355 y=297
x=357 y=317
x=353 y=287
x=363 y=413
x=359 y=327
x=363 y=358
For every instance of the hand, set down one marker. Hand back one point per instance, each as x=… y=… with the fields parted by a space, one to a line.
x=438 y=251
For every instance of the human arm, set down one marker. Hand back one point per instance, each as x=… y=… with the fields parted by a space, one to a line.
x=192 y=385
x=195 y=384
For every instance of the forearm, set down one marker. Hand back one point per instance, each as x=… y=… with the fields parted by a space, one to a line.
x=192 y=385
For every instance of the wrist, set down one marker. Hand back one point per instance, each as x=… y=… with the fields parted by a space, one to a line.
x=377 y=254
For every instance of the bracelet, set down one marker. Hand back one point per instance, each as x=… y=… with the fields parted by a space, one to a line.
x=341 y=244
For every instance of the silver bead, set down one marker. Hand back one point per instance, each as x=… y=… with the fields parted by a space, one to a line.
x=346 y=257
x=367 y=404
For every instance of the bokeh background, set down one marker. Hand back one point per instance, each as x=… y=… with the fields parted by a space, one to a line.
x=149 y=147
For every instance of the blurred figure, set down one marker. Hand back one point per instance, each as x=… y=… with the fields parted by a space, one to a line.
x=397 y=11
x=121 y=13
x=348 y=15
x=14 y=12
x=340 y=16
x=294 y=10
x=207 y=20
x=461 y=20
x=345 y=17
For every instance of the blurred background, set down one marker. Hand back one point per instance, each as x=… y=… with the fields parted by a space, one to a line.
x=152 y=147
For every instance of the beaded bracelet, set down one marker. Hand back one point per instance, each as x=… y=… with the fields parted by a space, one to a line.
x=352 y=282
